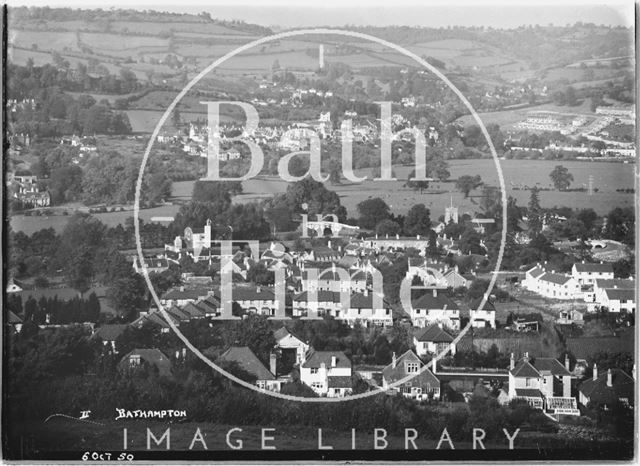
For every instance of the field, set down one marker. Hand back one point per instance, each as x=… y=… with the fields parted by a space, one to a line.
x=507 y=118
x=608 y=176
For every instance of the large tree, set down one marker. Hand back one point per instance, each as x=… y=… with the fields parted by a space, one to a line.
x=561 y=178
x=417 y=220
x=467 y=183
x=372 y=211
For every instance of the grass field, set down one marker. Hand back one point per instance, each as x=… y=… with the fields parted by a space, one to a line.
x=608 y=176
x=507 y=118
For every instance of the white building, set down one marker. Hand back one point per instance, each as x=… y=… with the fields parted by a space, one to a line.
x=587 y=273
x=544 y=383
x=435 y=307
x=288 y=341
x=551 y=285
x=432 y=340
x=328 y=373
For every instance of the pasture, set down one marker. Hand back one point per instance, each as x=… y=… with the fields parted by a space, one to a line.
x=608 y=176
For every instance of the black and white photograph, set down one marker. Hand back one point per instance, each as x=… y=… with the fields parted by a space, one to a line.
x=360 y=232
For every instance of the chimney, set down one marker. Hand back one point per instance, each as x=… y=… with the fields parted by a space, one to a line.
x=366 y=291
x=323 y=368
x=258 y=289
x=334 y=361
x=329 y=244
x=393 y=360
x=435 y=292
x=397 y=236
x=434 y=365
x=272 y=363
x=417 y=236
x=512 y=362
x=333 y=267
x=526 y=356
x=595 y=371
x=566 y=362
x=609 y=378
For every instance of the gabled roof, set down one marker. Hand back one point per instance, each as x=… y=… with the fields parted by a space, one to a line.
x=433 y=333
x=177 y=294
x=284 y=332
x=152 y=356
x=597 y=390
x=618 y=294
x=179 y=314
x=339 y=381
x=245 y=293
x=615 y=282
x=247 y=361
x=550 y=365
x=110 y=332
x=318 y=357
x=323 y=296
x=536 y=271
x=392 y=374
x=12 y=318
x=362 y=301
x=556 y=278
x=536 y=367
x=193 y=311
x=524 y=369
x=587 y=267
x=428 y=301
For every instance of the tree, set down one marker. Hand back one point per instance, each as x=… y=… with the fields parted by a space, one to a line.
x=260 y=275
x=417 y=220
x=416 y=185
x=534 y=211
x=387 y=227
x=467 y=183
x=561 y=177
x=620 y=225
x=372 y=211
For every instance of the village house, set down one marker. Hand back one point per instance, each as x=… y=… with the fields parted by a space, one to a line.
x=363 y=310
x=619 y=300
x=568 y=317
x=109 y=333
x=286 y=341
x=551 y=285
x=396 y=243
x=455 y=279
x=432 y=340
x=146 y=359
x=482 y=317
x=333 y=279
x=258 y=300
x=328 y=373
x=587 y=273
x=152 y=264
x=324 y=303
x=544 y=383
x=435 y=307
x=424 y=385
x=604 y=390
x=247 y=361
x=182 y=296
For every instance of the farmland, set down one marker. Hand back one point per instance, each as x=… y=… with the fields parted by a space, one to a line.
x=608 y=177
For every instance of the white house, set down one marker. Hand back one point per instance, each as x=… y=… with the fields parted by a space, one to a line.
x=544 y=383
x=432 y=340
x=435 y=307
x=552 y=285
x=260 y=300
x=328 y=373
x=619 y=300
x=288 y=341
x=587 y=273
x=363 y=309
x=481 y=318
